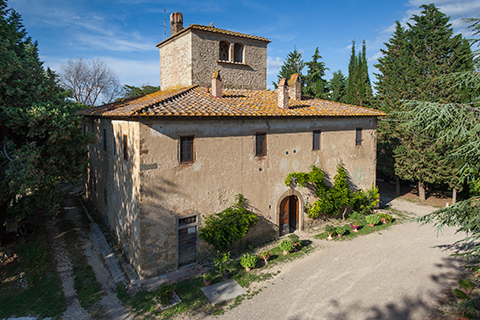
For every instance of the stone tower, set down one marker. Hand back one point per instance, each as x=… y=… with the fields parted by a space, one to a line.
x=190 y=56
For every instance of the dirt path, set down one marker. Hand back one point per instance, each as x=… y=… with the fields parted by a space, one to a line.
x=400 y=273
x=109 y=306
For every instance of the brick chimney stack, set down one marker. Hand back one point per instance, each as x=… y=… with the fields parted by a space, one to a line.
x=176 y=22
x=282 y=92
x=295 y=87
x=217 y=84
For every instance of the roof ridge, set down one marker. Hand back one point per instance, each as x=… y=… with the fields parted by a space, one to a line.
x=168 y=96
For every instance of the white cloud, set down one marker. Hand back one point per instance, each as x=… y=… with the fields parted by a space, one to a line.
x=274 y=65
x=375 y=56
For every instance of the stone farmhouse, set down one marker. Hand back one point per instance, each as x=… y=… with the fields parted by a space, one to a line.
x=164 y=161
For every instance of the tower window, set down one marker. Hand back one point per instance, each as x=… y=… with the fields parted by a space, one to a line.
x=238 y=52
x=224 y=48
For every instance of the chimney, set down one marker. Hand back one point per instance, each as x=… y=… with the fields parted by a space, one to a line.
x=216 y=84
x=282 y=92
x=176 y=22
x=295 y=87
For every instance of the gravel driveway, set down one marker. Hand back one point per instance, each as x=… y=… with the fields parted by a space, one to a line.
x=399 y=273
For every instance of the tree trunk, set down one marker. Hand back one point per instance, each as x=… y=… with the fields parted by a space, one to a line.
x=421 y=190
x=454 y=196
x=344 y=211
x=397 y=186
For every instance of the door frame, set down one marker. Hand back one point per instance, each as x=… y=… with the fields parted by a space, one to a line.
x=197 y=242
x=288 y=193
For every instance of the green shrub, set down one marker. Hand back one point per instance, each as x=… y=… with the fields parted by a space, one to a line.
x=341 y=230
x=287 y=245
x=223 y=229
x=356 y=216
x=294 y=238
x=222 y=260
x=373 y=219
x=330 y=229
x=164 y=293
x=386 y=216
x=248 y=260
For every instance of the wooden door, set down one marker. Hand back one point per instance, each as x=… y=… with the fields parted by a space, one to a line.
x=187 y=241
x=293 y=213
x=283 y=223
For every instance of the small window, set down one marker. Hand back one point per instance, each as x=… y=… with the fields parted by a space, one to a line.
x=238 y=52
x=185 y=221
x=186 y=149
x=316 y=139
x=358 y=137
x=260 y=144
x=114 y=146
x=224 y=48
x=104 y=139
x=125 y=147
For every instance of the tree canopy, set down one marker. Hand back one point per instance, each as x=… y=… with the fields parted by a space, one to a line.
x=314 y=85
x=358 y=89
x=293 y=64
x=40 y=136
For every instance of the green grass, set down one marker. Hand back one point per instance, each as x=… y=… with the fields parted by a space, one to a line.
x=30 y=284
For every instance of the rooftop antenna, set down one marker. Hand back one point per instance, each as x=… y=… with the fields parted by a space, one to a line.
x=164 y=24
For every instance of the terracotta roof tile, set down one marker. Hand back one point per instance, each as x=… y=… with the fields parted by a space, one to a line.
x=196 y=101
x=215 y=30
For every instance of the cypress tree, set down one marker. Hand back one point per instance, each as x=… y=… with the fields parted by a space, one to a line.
x=293 y=64
x=337 y=87
x=359 y=90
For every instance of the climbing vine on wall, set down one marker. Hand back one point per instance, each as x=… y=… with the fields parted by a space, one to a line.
x=225 y=228
x=333 y=200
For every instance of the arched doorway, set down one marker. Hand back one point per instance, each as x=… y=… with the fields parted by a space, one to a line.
x=288 y=221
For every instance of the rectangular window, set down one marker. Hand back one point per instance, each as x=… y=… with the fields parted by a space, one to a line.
x=186 y=149
x=104 y=139
x=114 y=145
x=316 y=140
x=358 y=137
x=125 y=147
x=260 y=144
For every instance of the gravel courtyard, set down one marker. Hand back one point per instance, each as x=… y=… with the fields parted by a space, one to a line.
x=399 y=273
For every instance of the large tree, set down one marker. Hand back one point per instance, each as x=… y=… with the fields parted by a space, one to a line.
x=336 y=87
x=459 y=125
x=409 y=69
x=314 y=85
x=91 y=82
x=40 y=137
x=293 y=64
x=358 y=90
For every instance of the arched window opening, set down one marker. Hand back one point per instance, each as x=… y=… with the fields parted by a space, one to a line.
x=238 y=52
x=224 y=51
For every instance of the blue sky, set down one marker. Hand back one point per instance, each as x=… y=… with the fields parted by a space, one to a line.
x=124 y=33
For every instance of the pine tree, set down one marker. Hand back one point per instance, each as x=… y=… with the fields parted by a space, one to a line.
x=337 y=87
x=313 y=83
x=293 y=64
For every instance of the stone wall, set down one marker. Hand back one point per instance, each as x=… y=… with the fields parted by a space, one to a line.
x=225 y=165
x=176 y=62
x=113 y=183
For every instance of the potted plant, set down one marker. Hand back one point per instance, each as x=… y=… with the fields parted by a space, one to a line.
x=340 y=230
x=373 y=219
x=287 y=246
x=164 y=294
x=265 y=256
x=385 y=217
x=207 y=279
x=221 y=262
x=330 y=230
x=248 y=261
x=296 y=241
x=354 y=227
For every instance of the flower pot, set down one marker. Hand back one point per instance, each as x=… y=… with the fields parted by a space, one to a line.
x=329 y=236
x=285 y=252
x=384 y=220
x=207 y=282
x=265 y=262
x=355 y=230
x=371 y=225
x=339 y=235
x=248 y=269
